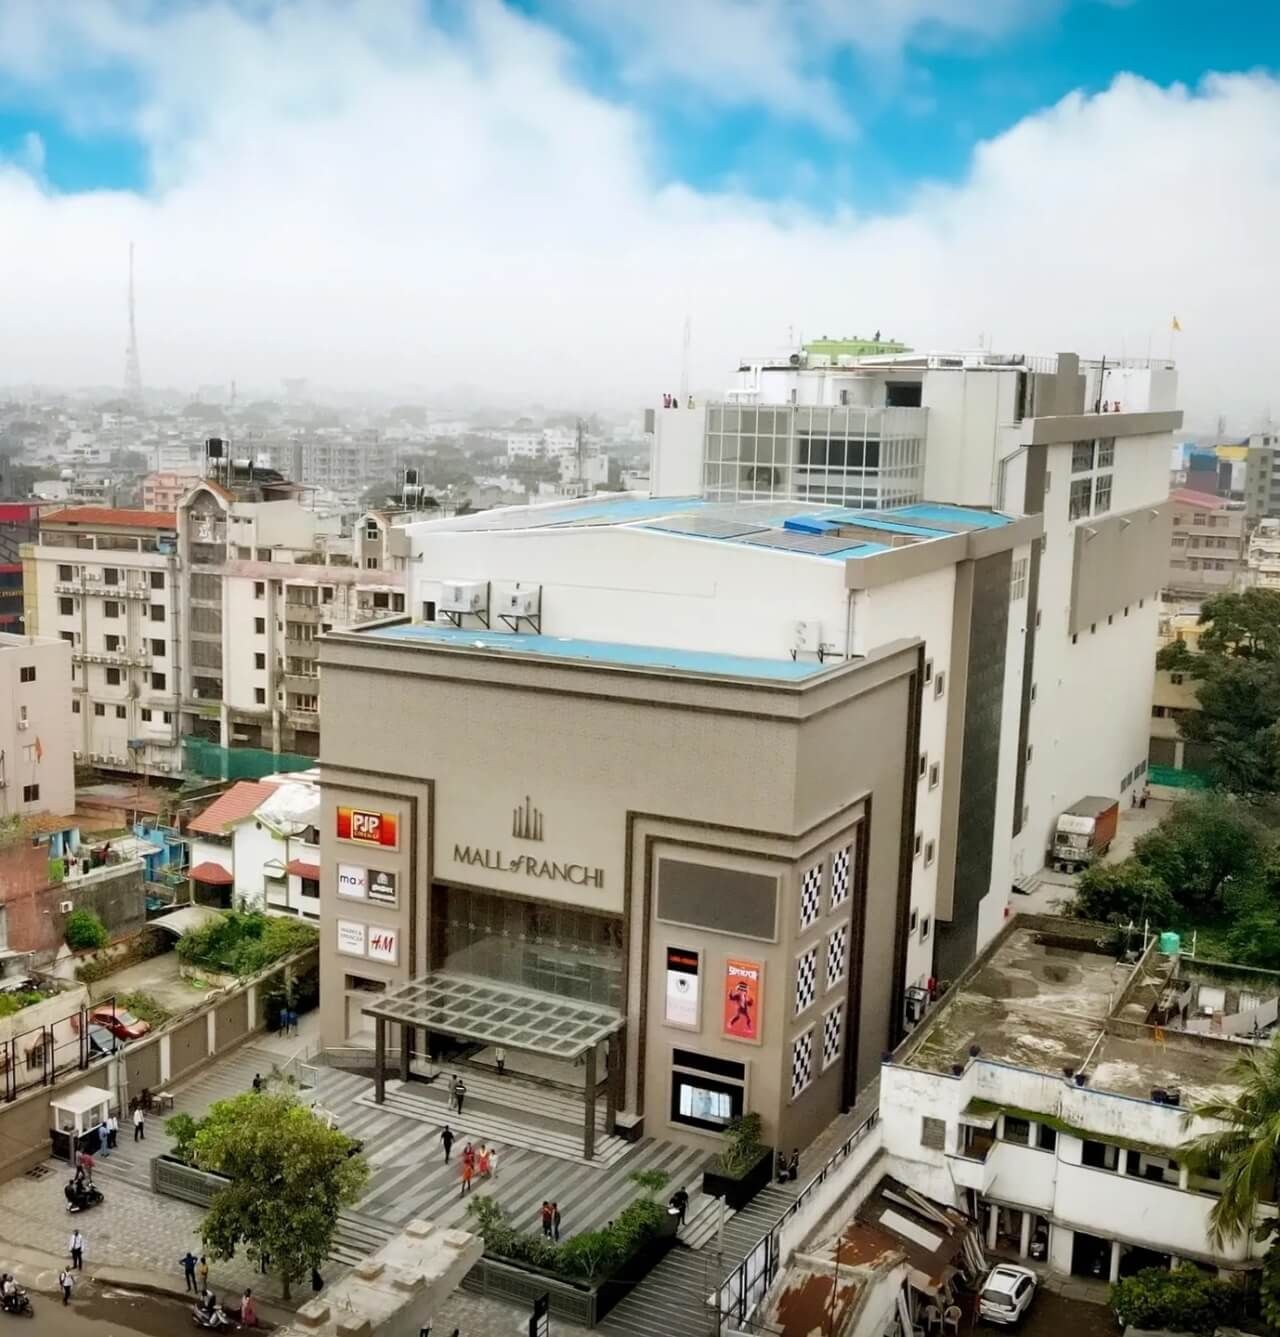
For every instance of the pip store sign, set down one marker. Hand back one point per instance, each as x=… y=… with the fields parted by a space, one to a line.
x=362 y=826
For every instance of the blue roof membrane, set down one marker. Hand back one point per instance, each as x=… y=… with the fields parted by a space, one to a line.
x=955 y=515
x=612 y=653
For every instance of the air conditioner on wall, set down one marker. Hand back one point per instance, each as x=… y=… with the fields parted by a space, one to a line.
x=522 y=603
x=463 y=596
x=65 y=907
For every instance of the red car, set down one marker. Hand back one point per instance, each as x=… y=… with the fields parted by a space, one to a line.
x=123 y=1025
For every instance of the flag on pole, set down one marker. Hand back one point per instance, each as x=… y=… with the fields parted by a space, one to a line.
x=39 y=749
x=1174 y=326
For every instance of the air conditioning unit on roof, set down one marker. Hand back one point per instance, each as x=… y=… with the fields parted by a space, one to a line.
x=522 y=603
x=464 y=596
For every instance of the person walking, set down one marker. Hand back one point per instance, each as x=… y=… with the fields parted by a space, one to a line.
x=75 y=1247
x=248 y=1310
x=482 y=1162
x=202 y=1273
x=188 y=1261
x=64 y=1285
x=459 y=1090
x=493 y=1162
x=546 y=1219
x=468 y=1170
x=317 y=1281
x=446 y=1138
x=500 y=1058
x=104 y=1138
x=555 y=1222
x=257 y=1082
x=113 y=1131
x=139 y=1125
x=793 y=1165
x=680 y=1204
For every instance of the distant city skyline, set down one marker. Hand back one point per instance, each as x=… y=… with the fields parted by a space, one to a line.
x=531 y=198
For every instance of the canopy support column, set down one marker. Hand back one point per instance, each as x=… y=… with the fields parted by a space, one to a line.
x=589 y=1103
x=406 y=1050
x=379 y=1059
x=613 y=1084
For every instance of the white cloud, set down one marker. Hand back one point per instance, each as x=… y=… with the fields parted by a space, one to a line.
x=348 y=196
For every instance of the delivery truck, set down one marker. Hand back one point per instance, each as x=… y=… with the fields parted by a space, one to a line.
x=1084 y=833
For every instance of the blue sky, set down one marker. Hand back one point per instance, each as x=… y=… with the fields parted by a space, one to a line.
x=917 y=112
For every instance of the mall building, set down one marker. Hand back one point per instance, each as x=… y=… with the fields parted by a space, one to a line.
x=675 y=790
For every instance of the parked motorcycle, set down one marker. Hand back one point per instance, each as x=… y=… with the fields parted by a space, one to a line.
x=81 y=1195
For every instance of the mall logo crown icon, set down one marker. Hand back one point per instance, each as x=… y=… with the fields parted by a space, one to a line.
x=526 y=822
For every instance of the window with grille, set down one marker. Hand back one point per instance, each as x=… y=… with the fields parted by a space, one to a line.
x=1082 y=457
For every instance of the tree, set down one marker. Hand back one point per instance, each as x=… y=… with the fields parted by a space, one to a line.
x=1246 y=1153
x=1237 y=672
x=1120 y=893
x=1184 y=1300
x=83 y=931
x=1200 y=847
x=290 y=1176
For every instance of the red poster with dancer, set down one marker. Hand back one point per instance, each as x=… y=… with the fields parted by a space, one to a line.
x=742 y=999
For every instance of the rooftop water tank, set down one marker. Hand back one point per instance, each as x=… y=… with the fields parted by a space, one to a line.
x=1170 y=944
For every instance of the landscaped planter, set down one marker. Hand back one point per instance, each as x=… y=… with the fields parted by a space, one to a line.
x=738 y=1190
x=177 y=1179
x=571 y=1301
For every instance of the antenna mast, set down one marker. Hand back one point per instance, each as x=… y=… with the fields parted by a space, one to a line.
x=684 y=361
x=132 y=367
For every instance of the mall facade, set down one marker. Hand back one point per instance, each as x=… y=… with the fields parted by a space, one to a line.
x=688 y=872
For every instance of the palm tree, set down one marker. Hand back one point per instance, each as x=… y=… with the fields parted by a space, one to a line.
x=1247 y=1152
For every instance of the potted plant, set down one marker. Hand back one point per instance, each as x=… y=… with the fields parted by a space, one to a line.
x=743 y=1165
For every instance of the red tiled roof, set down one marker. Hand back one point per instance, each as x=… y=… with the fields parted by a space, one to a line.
x=111 y=515
x=234 y=806
x=211 y=873
x=1192 y=497
x=304 y=869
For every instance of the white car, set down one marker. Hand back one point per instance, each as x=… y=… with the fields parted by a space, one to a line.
x=1007 y=1293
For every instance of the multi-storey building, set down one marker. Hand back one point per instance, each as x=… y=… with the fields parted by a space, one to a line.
x=19 y=522
x=1206 y=552
x=107 y=582
x=37 y=769
x=1174 y=696
x=163 y=491
x=1262 y=559
x=1262 y=476
x=1085 y=446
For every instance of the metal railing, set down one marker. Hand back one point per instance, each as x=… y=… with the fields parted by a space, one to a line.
x=743 y=1289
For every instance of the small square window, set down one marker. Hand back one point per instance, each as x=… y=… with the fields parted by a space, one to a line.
x=919 y=843
x=113 y=677
x=930 y=849
x=1037 y=617
x=64 y=573
x=939 y=685
x=1033 y=692
x=260 y=696
x=157 y=649
x=933 y=1133
x=112 y=643
x=110 y=608
x=75 y=705
x=259 y=661
x=99 y=709
x=925 y=925
x=30 y=793
x=168 y=717
x=122 y=712
x=914 y=921
x=259 y=626
x=928 y=670
x=935 y=774
x=259 y=589
x=157 y=612
x=157 y=682
x=110 y=575
x=157 y=580
x=145 y=712
x=66 y=607
x=1030 y=750
x=27 y=673
x=924 y=764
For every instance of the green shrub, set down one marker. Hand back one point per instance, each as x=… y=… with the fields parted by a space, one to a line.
x=83 y=931
x=145 y=1008
x=243 y=943
x=16 y=1001
x=743 y=1147
x=183 y=1129
x=1184 y=1300
x=147 y=944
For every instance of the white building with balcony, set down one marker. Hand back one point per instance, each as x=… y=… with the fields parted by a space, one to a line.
x=1048 y=1094
x=37 y=767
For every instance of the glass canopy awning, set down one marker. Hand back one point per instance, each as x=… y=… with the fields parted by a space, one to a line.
x=472 y=1008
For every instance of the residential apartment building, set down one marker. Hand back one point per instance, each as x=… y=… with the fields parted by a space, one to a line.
x=1262 y=476
x=1084 y=446
x=1207 y=545
x=1262 y=558
x=1049 y=1095
x=37 y=768
x=107 y=582
x=19 y=521
x=1174 y=696
x=163 y=491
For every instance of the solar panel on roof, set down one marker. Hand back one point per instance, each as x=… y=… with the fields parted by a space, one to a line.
x=817 y=544
x=706 y=526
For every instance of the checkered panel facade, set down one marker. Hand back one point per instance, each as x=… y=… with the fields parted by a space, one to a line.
x=806 y=978
x=801 y=1062
x=840 y=865
x=810 y=895
x=837 y=954
x=832 y=1035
